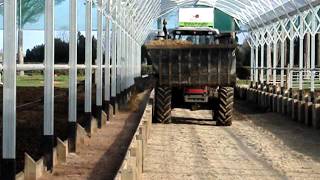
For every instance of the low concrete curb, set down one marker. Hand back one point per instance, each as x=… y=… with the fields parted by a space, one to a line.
x=132 y=165
x=303 y=111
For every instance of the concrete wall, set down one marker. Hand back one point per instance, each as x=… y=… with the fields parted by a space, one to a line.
x=132 y=165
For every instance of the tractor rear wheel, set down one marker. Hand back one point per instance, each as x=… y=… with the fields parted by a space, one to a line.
x=225 y=108
x=163 y=105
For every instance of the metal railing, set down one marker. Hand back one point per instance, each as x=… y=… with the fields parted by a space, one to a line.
x=305 y=80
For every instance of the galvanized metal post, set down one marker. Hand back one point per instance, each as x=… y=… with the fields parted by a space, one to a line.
x=72 y=119
x=282 y=65
x=252 y=64
x=291 y=59
x=257 y=65
x=113 y=69
x=301 y=44
x=262 y=64
x=313 y=54
x=268 y=63
x=139 y=60
x=118 y=62
x=8 y=164
x=107 y=66
x=99 y=69
x=275 y=59
x=48 y=125
x=88 y=63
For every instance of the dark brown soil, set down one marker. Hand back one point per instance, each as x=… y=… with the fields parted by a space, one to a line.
x=30 y=120
x=102 y=156
x=30 y=117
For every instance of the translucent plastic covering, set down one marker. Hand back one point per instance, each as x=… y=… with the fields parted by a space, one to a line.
x=249 y=13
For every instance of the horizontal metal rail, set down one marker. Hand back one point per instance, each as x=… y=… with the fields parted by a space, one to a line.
x=35 y=67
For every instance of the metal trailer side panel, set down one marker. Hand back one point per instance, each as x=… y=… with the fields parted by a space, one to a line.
x=212 y=66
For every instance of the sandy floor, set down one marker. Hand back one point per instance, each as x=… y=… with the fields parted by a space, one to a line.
x=258 y=146
x=102 y=157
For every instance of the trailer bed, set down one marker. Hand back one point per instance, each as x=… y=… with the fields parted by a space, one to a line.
x=194 y=65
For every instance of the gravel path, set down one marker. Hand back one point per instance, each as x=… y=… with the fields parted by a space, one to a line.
x=258 y=145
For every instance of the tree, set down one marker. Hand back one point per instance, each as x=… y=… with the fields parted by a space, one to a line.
x=29 y=11
x=61 y=52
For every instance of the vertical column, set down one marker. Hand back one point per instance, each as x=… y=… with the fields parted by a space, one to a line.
x=139 y=60
x=268 y=63
x=282 y=64
x=262 y=64
x=72 y=120
x=88 y=70
x=127 y=62
x=8 y=165
x=99 y=69
x=256 y=73
x=291 y=59
x=118 y=61
x=313 y=54
x=107 y=68
x=122 y=88
x=48 y=125
x=132 y=53
x=275 y=59
x=301 y=59
x=252 y=65
x=113 y=69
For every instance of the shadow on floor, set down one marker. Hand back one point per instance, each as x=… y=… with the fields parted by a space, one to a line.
x=107 y=166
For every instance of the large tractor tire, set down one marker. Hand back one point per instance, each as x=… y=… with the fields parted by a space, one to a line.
x=225 y=107
x=162 y=112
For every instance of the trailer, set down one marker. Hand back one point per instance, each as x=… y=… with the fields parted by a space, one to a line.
x=197 y=74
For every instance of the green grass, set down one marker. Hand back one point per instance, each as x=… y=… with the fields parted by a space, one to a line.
x=243 y=82
x=37 y=80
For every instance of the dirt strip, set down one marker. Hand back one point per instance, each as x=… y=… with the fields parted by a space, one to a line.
x=103 y=155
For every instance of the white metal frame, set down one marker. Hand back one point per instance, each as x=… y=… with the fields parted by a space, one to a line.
x=270 y=23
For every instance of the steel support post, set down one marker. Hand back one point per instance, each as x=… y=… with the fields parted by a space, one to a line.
x=256 y=73
x=8 y=165
x=262 y=64
x=127 y=61
x=275 y=59
x=139 y=60
x=113 y=68
x=131 y=62
x=99 y=69
x=291 y=64
x=48 y=125
x=252 y=65
x=313 y=55
x=282 y=65
x=72 y=119
x=118 y=53
x=88 y=70
x=107 y=68
x=118 y=62
x=301 y=44
x=268 y=63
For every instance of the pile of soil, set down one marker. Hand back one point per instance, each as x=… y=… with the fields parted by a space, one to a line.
x=30 y=120
x=168 y=42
